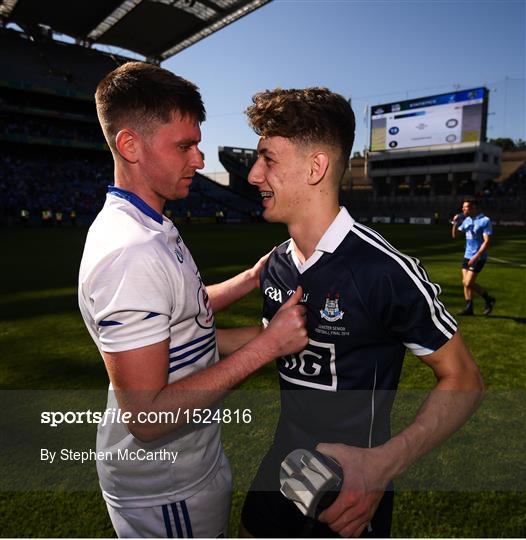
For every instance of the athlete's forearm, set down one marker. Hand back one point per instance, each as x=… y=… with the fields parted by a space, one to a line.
x=446 y=409
x=286 y=334
x=232 y=339
x=159 y=412
x=223 y=294
x=200 y=390
x=482 y=249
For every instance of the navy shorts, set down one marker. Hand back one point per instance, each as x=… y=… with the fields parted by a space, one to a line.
x=477 y=267
x=269 y=514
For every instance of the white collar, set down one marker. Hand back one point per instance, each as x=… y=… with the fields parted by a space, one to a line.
x=328 y=243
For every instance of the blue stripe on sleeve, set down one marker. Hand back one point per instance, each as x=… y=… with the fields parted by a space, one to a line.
x=109 y=323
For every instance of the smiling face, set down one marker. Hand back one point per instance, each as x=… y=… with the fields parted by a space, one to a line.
x=280 y=174
x=170 y=157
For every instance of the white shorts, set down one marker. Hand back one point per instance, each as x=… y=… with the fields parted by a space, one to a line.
x=203 y=515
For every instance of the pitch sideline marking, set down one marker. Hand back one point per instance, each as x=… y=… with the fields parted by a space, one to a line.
x=506 y=262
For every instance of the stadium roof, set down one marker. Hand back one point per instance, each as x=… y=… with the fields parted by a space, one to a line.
x=156 y=29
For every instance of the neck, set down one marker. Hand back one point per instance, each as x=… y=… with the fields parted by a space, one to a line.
x=307 y=232
x=125 y=178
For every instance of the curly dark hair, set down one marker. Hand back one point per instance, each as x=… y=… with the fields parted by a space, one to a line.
x=305 y=115
x=138 y=95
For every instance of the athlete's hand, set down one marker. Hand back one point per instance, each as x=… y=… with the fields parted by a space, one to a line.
x=472 y=261
x=363 y=486
x=287 y=332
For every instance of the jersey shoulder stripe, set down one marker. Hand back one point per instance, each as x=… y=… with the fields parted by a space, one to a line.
x=441 y=318
x=414 y=265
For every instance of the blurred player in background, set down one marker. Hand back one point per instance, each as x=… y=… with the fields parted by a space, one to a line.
x=478 y=230
x=150 y=315
x=366 y=304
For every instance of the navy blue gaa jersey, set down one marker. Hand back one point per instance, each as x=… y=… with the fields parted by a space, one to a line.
x=366 y=303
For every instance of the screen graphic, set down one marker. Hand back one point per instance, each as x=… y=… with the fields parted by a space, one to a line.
x=445 y=119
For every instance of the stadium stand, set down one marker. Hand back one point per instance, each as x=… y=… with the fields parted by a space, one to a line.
x=503 y=198
x=238 y=162
x=54 y=158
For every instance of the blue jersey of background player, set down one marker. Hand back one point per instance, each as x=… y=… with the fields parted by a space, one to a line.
x=478 y=230
x=366 y=303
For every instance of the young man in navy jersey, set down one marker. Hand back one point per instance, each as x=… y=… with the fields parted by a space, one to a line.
x=366 y=304
x=152 y=318
x=478 y=230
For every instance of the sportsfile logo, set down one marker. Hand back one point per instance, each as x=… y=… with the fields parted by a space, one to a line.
x=113 y=415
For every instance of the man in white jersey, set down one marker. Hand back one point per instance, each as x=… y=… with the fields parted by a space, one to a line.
x=150 y=315
x=366 y=304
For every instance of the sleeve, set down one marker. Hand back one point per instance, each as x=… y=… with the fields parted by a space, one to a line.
x=462 y=226
x=131 y=301
x=488 y=227
x=410 y=309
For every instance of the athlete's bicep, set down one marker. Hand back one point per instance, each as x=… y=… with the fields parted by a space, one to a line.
x=137 y=375
x=454 y=366
x=232 y=339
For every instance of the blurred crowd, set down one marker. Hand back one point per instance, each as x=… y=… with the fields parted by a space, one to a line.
x=33 y=188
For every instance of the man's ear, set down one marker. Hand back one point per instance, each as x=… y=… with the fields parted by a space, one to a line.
x=319 y=164
x=127 y=144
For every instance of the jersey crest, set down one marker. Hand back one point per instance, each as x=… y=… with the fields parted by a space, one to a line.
x=332 y=312
x=205 y=317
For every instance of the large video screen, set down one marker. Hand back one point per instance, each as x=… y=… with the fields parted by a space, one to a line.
x=446 y=119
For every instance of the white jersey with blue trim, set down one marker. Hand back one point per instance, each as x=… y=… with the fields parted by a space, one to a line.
x=366 y=304
x=139 y=285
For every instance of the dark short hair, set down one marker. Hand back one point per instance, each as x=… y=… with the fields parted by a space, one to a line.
x=307 y=115
x=471 y=201
x=139 y=95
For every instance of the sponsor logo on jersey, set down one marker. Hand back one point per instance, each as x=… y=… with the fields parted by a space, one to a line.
x=314 y=367
x=304 y=298
x=274 y=294
x=332 y=312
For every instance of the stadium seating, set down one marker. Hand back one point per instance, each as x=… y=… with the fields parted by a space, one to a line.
x=53 y=156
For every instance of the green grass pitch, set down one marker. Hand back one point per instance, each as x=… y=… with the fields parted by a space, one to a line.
x=473 y=486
